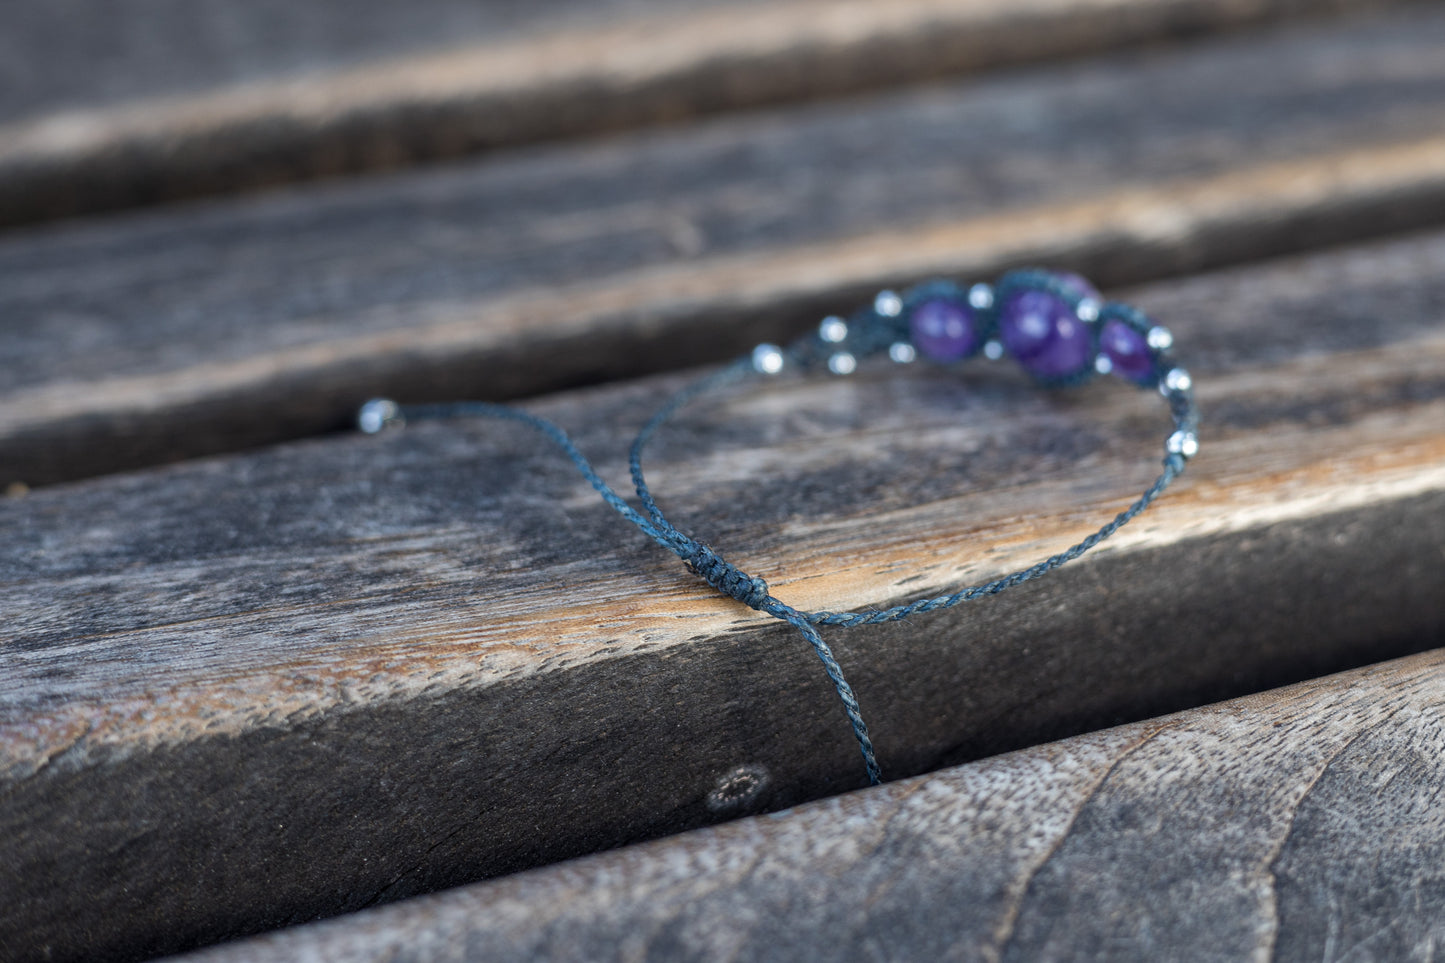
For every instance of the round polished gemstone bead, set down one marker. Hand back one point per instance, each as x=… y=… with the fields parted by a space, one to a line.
x=943 y=330
x=1042 y=332
x=1127 y=351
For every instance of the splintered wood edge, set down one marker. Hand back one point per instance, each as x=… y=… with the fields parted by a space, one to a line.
x=1238 y=483
x=994 y=834
x=1202 y=221
x=652 y=68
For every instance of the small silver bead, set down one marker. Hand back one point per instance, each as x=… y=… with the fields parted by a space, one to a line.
x=980 y=296
x=1184 y=443
x=902 y=352
x=833 y=329
x=888 y=304
x=1177 y=380
x=993 y=350
x=842 y=363
x=1103 y=365
x=767 y=359
x=1160 y=339
x=379 y=413
x=1088 y=310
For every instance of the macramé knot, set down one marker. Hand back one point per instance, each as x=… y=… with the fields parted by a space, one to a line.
x=726 y=577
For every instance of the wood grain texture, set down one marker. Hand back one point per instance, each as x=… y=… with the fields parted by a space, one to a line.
x=254 y=97
x=339 y=672
x=149 y=339
x=84 y=55
x=1302 y=824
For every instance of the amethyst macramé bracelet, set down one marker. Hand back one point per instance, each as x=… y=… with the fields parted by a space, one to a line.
x=1055 y=325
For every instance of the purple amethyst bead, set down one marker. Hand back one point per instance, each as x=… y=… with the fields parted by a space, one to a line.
x=1042 y=332
x=1128 y=350
x=943 y=330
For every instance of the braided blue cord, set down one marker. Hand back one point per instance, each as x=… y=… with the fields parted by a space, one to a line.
x=1173 y=466
x=752 y=590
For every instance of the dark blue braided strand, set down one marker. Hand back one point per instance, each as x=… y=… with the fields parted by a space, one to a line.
x=737 y=371
x=486 y=409
x=707 y=564
x=1174 y=464
x=840 y=684
x=874 y=333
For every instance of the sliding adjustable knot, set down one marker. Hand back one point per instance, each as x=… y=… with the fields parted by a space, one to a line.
x=726 y=577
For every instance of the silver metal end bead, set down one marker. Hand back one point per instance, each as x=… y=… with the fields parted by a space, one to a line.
x=1160 y=339
x=980 y=296
x=993 y=350
x=902 y=352
x=1103 y=364
x=1176 y=380
x=1184 y=443
x=842 y=363
x=833 y=329
x=1088 y=310
x=767 y=359
x=888 y=304
x=378 y=414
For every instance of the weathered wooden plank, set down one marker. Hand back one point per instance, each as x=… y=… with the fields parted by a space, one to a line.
x=83 y=55
x=1304 y=824
x=258 y=94
x=350 y=670
x=152 y=338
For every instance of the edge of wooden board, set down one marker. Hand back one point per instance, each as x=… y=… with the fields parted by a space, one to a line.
x=1280 y=825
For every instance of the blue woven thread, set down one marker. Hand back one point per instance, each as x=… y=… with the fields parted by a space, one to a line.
x=752 y=590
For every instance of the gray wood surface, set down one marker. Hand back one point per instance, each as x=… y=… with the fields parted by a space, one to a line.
x=106 y=105
x=1303 y=824
x=248 y=691
x=84 y=55
x=151 y=338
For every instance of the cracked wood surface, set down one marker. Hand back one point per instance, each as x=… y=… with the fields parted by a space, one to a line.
x=1301 y=824
x=103 y=107
x=150 y=338
x=343 y=671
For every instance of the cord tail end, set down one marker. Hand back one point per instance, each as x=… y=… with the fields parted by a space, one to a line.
x=379 y=414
